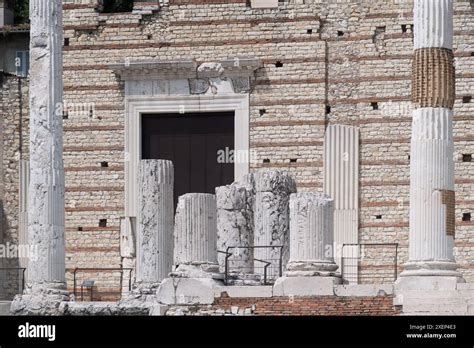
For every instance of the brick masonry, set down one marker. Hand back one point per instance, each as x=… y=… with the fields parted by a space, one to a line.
x=354 y=56
x=321 y=305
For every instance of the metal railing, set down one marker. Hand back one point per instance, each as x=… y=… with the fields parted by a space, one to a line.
x=23 y=271
x=266 y=263
x=357 y=267
x=121 y=270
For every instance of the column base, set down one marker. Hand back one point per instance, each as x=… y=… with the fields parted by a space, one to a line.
x=45 y=299
x=187 y=291
x=196 y=270
x=305 y=286
x=311 y=269
x=431 y=268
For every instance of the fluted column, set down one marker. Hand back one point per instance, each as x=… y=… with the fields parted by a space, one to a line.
x=311 y=235
x=155 y=223
x=272 y=218
x=195 y=236
x=46 y=188
x=432 y=197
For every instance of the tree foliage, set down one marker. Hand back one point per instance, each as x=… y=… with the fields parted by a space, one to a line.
x=21 y=9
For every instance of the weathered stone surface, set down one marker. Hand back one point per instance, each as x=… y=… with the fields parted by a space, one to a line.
x=305 y=286
x=155 y=223
x=210 y=69
x=199 y=86
x=272 y=215
x=40 y=301
x=241 y=84
x=195 y=236
x=311 y=235
x=187 y=291
x=235 y=226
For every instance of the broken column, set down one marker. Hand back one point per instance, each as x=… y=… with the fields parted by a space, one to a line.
x=46 y=284
x=311 y=269
x=311 y=235
x=195 y=252
x=432 y=198
x=272 y=218
x=235 y=230
x=155 y=224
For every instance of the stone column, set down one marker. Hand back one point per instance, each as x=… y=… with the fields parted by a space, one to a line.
x=155 y=224
x=432 y=198
x=46 y=272
x=195 y=253
x=311 y=270
x=311 y=235
x=431 y=266
x=235 y=227
x=272 y=218
x=195 y=236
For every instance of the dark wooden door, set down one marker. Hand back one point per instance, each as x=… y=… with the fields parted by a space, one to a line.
x=192 y=142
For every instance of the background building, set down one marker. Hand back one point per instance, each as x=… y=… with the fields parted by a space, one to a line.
x=311 y=64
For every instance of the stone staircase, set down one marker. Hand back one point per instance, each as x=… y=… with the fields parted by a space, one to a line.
x=438 y=302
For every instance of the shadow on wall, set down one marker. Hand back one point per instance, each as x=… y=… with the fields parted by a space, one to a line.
x=11 y=279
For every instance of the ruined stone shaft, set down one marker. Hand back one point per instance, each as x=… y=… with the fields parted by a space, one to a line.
x=46 y=188
x=195 y=231
x=235 y=226
x=311 y=234
x=272 y=218
x=432 y=201
x=155 y=222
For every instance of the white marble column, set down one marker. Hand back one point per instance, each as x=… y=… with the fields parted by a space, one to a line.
x=195 y=236
x=155 y=223
x=272 y=218
x=46 y=188
x=432 y=197
x=311 y=235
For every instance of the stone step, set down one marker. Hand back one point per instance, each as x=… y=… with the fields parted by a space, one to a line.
x=437 y=306
x=5 y=308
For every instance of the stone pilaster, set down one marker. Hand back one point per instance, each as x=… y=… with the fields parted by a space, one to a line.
x=45 y=283
x=311 y=235
x=272 y=218
x=155 y=223
x=432 y=203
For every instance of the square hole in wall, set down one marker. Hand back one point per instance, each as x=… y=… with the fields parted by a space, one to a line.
x=65 y=115
x=467 y=157
x=149 y=37
x=266 y=160
x=262 y=112
x=79 y=229
x=328 y=109
x=340 y=33
x=66 y=42
x=103 y=223
x=466 y=217
x=378 y=217
x=309 y=31
x=278 y=64
x=374 y=105
x=293 y=160
x=466 y=99
x=104 y=164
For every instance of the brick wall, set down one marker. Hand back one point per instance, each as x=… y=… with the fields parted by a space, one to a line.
x=321 y=305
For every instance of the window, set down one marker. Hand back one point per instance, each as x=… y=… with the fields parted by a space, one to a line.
x=111 y=6
x=22 y=63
